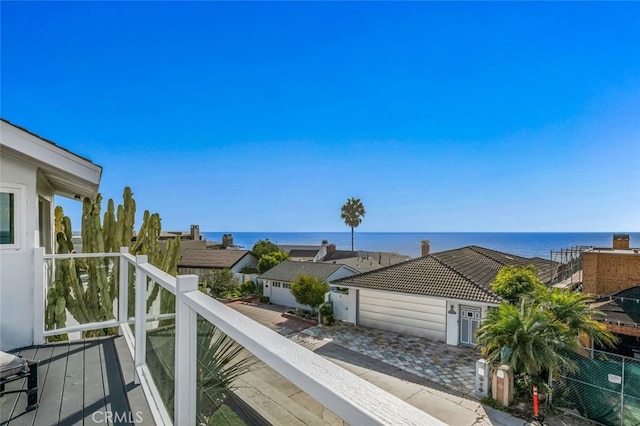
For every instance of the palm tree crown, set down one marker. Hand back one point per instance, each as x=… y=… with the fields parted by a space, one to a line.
x=352 y=213
x=573 y=309
x=534 y=340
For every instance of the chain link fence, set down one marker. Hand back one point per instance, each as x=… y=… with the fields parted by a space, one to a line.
x=605 y=387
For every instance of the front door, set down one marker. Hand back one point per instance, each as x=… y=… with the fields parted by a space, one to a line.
x=469 y=323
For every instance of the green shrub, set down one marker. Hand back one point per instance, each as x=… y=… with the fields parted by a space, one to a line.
x=264 y=299
x=326 y=309
x=249 y=270
x=247 y=288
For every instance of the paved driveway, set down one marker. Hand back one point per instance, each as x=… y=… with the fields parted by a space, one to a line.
x=440 y=384
x=270 y=316
x=449 y=366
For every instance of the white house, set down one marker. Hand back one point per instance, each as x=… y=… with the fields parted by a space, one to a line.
x=201 y=261
x=442 y=296
x=32 y=171
x=305 y=253
x=277 y=280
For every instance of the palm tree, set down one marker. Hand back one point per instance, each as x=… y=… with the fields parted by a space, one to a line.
x=541 y=333
x=352 y=214
x=572 y=308
x=526 y=338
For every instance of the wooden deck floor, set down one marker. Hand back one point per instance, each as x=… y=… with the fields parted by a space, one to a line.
x=87 y=382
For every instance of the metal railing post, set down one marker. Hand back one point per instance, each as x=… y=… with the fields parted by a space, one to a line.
x=38 y=296
x=123 y=298
x=186 y=353
x=141 y=313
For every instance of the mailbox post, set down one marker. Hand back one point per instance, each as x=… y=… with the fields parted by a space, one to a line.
x=483 y=378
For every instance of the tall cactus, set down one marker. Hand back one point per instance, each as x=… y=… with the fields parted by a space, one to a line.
x=92 y=300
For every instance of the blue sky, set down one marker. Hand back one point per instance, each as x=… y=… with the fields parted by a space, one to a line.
x=268 y=116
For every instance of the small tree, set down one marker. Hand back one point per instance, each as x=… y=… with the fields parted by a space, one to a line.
x=220 y=281
x=268 y=261
x=262 y=247
x=513 y=282
x=309 y=291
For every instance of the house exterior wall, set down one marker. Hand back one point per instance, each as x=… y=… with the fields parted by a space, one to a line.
x=46 y=193
x=453 y=319
x=453 y=322
x=16 y=264
x=609 y=272
x=247 y=260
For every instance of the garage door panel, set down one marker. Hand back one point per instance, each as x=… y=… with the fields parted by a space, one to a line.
x=367 y=310
x=284 y=297
x=406 y=329
x=394 y=297
x=408 y=314
x=413 y=322
x=379 y=304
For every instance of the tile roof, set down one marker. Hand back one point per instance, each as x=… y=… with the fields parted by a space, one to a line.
x=465 y=273
x=288 y=271
x=340 y=254
x=303 y=253
x=288 y=247
x=207 y=258
x=360 y=264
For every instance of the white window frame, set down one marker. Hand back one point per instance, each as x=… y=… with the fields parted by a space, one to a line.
x=19 y=215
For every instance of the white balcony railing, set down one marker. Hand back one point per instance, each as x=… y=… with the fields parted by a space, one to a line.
x=355 y=400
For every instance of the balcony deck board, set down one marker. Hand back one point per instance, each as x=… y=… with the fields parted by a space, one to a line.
x=50 y=394
x=79 y=382
x=71 y=404
x=94 y=399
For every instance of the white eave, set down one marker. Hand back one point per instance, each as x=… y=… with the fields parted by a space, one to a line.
x=68 y=174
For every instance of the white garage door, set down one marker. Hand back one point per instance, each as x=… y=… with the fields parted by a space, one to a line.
x=407 y=314
x=281 y=295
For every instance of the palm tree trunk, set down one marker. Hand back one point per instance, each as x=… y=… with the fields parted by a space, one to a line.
x=352 y=238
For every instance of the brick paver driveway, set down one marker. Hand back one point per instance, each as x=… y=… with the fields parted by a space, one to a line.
x=450 y=366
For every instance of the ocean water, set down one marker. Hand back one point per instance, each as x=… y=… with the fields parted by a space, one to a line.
x=527 y=244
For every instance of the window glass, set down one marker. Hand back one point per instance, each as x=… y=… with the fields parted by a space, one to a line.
x=7 y=218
